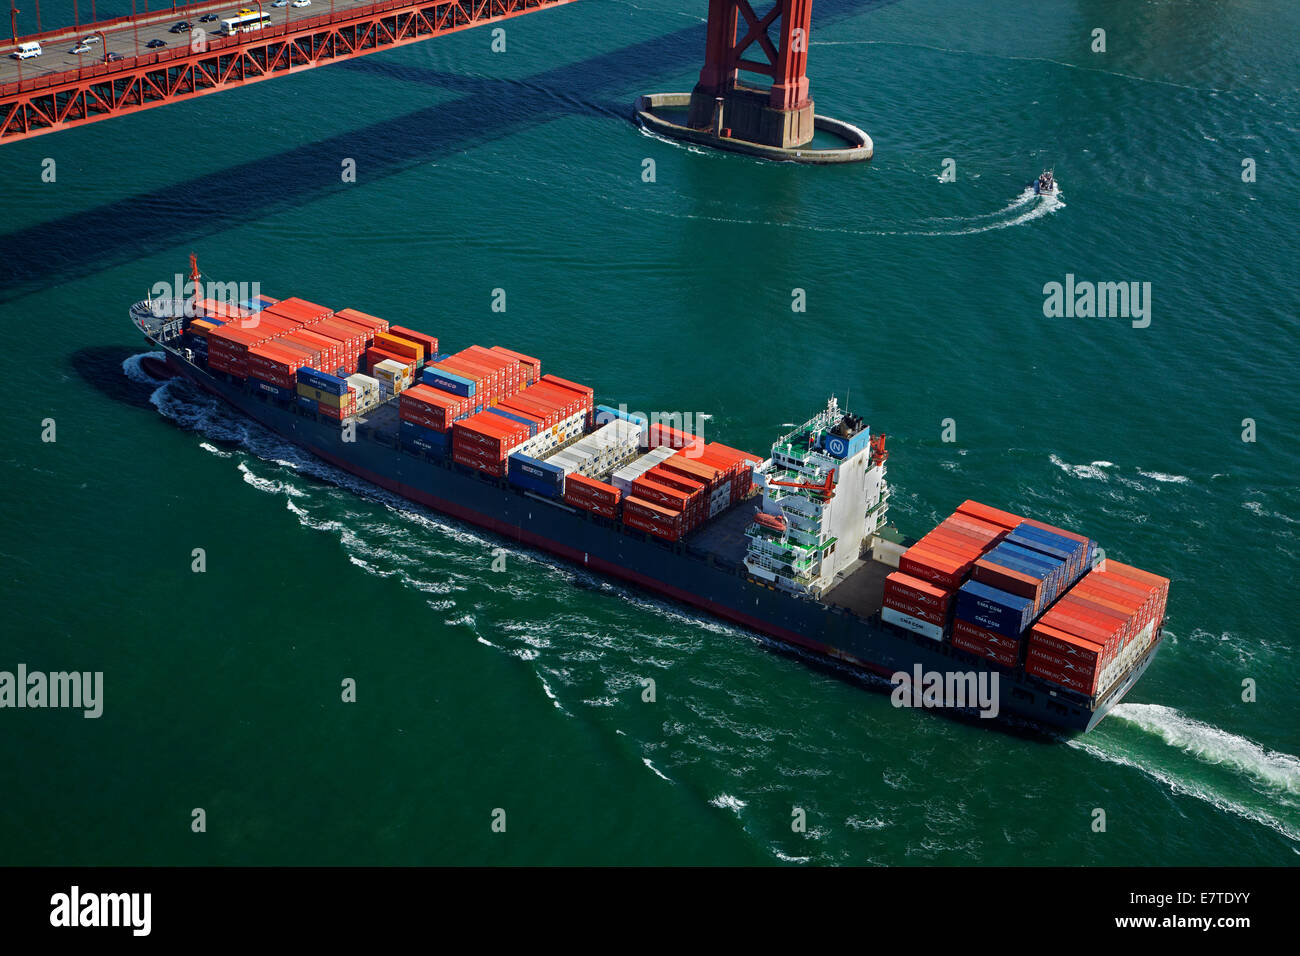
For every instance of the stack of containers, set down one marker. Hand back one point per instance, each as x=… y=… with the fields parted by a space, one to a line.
x=532 y=367
x=366 y=390
x=222 y=311
x=916 y=605
x=991 y=622
x=228 y=348
x=941 y=561
x=696 y=509
x=428 y=343
x=743 y=461
x=373 y=356
x=373 y=323
x=483 y=442
x=660 y=436
x=394 y=378
x=647 y=516
x=592 y=495
x=352 y=339
x=715 y=480
x=298 y=310
x=1029 y=567
x=667 y=498
x=946 y=555
x=273 y=368
x=737 y=466
x=196 y=335
x=1101 y=626
x=623 y=477
x=328 y=350
x=432 y=408
x=333 y=397
x=539 y=476
x=587 y=403
x=482 y=374
x=408 y=350
x=1023 y=571
x=604 y=450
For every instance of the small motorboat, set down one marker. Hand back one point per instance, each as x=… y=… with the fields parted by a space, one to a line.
x=1045 y=184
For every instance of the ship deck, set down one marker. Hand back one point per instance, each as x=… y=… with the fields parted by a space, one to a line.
x=859 y=588
x=723 y=538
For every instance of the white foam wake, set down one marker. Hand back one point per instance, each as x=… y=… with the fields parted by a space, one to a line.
x=1209 y=743
x=133 y=368
x=1262 y=785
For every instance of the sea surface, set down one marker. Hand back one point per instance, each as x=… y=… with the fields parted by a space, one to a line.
x=522 y=690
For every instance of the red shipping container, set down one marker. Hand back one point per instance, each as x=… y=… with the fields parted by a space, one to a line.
x=486 y=464
x=1061 y=679
x=275 y=364
x=984 y=636
x=917 y=591
x=646 y=516
x=592 y=494
x=1002 y=519
x=673 y=479
x=429 y=342
x=361 y=318
x=932 y=566
x=299 y=310
x=901 y=604
x=992 y=652
x=1060 y=642
x=532 y=366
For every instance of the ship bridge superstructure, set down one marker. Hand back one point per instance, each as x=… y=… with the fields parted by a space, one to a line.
x=824 y=498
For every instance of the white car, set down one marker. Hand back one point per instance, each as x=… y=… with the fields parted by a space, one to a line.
x=302 y=3
x=80 y=48
x=87 y=41
x=280 y=3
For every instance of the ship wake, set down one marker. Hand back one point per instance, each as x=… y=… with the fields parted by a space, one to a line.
x=1229 y=772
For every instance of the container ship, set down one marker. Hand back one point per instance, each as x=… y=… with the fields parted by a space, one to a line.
x=794 y=544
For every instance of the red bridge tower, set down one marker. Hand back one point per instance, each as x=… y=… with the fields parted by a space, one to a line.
x=780 y=116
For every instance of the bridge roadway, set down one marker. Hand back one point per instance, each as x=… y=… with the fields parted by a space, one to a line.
x=130 y=38
x=59 y=94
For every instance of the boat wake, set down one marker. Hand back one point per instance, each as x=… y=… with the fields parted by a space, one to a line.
x=1025 y=208
x=1229 y=772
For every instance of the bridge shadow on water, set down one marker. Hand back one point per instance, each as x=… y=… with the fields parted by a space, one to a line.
x=144 y=224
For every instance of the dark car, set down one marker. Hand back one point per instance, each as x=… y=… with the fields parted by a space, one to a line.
x=182 y=27
x=207 y=18
x=155 y=44
x=111 y=57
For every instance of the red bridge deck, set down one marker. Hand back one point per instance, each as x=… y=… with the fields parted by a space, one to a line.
x=62 y=99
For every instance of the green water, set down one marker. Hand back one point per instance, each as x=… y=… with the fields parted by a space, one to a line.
x=522 y=690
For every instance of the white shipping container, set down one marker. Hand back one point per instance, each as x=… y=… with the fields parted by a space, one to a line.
x=933 y=631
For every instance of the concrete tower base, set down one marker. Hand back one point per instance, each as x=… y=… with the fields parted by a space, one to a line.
x=746 y=114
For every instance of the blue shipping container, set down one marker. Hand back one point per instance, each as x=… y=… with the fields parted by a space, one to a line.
x=307 y=403
x=323 y=381
x=605 y=415
x=448 y=382
x=1025 y=562
x=529 y=423
x=426 y=439
x=277 y=392
x=528 y=472
x=1068 y=550
x=994 y=610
